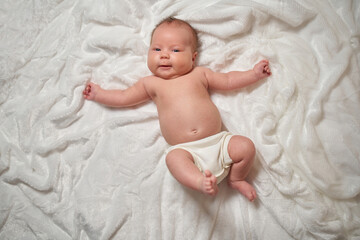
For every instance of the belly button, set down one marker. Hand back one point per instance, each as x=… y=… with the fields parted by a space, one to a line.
x=194 y=131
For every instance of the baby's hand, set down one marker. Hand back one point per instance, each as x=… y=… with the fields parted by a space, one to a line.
x=262 y=69
x=90 y=91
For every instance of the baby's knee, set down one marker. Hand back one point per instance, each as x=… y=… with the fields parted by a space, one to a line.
x=170 y=157
x=249 y=147
x=241 y=147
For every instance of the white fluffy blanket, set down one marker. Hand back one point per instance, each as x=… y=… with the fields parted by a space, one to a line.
x=73 y=169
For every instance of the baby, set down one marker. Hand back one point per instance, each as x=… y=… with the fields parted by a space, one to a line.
x=201 y=154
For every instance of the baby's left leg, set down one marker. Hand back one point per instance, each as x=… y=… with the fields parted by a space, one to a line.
x=181 y=165
x=241 y=151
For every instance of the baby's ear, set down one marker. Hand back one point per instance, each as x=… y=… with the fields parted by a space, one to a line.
x=194 y=57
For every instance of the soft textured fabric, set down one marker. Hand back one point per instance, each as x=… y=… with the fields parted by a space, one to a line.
x=73 y=169
x=210 y=153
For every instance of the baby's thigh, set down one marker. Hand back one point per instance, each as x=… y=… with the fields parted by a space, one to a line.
x=178 y=155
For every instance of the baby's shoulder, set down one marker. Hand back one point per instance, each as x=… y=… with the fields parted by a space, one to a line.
x=201 y=69
x=204 y=71
x=150 y=82
x=150 y=79
x=200 y=73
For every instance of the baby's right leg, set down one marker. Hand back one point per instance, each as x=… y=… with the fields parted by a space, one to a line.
x=181 y=165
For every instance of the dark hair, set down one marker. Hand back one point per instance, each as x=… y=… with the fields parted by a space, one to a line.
x=170 y=20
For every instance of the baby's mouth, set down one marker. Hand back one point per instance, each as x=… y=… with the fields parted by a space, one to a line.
x=165 y=66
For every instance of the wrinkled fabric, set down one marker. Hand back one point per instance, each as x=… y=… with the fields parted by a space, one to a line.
x=73 y=169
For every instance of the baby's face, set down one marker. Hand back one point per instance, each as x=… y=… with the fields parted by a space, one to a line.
x=170 y=54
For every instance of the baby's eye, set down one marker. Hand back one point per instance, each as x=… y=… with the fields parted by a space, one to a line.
x=176 y=50
x=157 y=49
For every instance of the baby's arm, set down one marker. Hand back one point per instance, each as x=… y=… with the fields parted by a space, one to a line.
x=237 y=79
x=117 y=98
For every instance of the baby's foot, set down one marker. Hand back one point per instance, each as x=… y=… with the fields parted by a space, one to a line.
x=244 y=188
x=208 y=184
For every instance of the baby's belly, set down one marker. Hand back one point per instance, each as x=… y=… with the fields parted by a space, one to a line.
x=186 y=125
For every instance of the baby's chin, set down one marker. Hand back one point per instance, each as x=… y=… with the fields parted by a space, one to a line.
x=170 y=75
x=167 y=76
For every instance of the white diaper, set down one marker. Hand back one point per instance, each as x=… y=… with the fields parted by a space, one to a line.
x=210 y=154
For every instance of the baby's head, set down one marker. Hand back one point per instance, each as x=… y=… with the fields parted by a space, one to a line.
x=180 y=23
x=173 y=49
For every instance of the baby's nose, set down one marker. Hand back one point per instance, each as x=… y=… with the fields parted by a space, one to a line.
x=164 y=54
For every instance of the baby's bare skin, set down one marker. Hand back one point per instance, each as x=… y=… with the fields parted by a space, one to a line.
x=208 y=184
x=186 y=113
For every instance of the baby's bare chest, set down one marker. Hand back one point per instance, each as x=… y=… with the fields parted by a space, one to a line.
x=168 y=91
